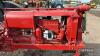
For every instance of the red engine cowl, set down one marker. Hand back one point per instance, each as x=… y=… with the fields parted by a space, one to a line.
x=19 y=19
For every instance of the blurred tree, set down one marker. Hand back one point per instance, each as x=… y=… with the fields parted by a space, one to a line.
x=96 y=1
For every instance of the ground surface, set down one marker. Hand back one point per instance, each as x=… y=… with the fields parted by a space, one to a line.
x=91 y=38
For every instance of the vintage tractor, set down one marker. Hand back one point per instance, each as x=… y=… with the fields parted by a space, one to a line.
x=31 y=29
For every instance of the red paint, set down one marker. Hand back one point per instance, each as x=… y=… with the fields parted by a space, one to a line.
x=20 y=19
x=38 y=36
x=70 y=33
x=52 y=25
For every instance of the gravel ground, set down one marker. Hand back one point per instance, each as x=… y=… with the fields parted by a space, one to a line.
x=95 y=12
x=14 y=53
x=92 y=38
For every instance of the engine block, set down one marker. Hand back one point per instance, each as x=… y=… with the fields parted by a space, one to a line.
x=31 y=29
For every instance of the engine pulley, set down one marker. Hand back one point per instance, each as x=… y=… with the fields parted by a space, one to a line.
x=47 y=34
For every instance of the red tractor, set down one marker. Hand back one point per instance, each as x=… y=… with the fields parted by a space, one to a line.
x=31 y=29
